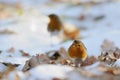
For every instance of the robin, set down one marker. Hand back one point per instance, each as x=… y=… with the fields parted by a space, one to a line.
x=55 y=24
x=77 y=52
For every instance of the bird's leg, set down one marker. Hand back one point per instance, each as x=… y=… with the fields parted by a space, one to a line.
x=78 y=62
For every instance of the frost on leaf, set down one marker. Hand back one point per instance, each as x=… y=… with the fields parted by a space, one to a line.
x=57 y=54
x=109 y=52
x=51 y=57
x=35 y=61
x=107 y=45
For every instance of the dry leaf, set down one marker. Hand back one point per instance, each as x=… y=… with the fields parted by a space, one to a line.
x=24 y=53
x=99 y=17
x=11 y=50
x=27 y=66
x=53 y=55
x=35 y=61
x=7 y=31
x=1 y=75
x=113 y=70
x=57 y=79
x=10 y=64
x=116 y=53
x=66 y=62
x=52 y=62
x=82 y=17
x=89 y=61
x=107 y=46
x=57 y=54
x=8 y=70
x=63 y=53
x=110 y=53
x=107 y=58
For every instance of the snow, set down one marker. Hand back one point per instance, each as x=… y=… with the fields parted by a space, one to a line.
x=75 y=76
x=48 y=72
x=93 y=68
x=117 y=63
x=2 y=67
x=32 y=35
x=16 y=75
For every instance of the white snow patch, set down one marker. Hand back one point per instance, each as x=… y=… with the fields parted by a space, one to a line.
x=48 y=72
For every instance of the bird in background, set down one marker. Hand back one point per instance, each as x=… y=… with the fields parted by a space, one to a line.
x=77 y=52
x=64 y=30
x=55 y=29
x=55 y=24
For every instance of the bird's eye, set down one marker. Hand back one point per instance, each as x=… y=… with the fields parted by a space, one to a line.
x=78 y=45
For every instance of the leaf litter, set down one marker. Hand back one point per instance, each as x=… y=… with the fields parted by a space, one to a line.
x=101 y=68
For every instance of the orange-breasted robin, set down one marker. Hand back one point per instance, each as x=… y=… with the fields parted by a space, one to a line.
x=77 y=52
x=55 y=24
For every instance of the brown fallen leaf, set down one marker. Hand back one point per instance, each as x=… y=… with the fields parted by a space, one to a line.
x=116 y=53
x=10 y=64
x=107 y=46
x=53 y=55
x=89 y=61
x=63 y=53
x=52 y=62
x=11 y=50
x=110 y=70
x=1 y=75
x=35 y=61
x=7 y=71
x=114 y=71
x=57 y=54
x=107 y=58
x=82 y=17
x=7 y=31
x=56 y=78
x=66 y=62
x=24 y=53
x=99 y=17
x=109 y=52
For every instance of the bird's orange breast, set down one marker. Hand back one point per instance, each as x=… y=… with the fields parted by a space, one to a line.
x=77 y=52
x=55 y=24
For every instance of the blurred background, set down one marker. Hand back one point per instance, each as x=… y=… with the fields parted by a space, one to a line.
x=25 y=31
x=23 y=24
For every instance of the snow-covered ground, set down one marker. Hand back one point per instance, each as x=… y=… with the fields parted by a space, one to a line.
x=32 y=35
